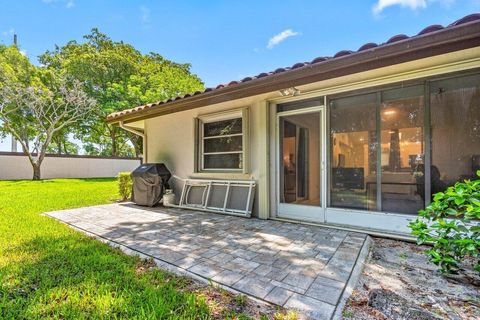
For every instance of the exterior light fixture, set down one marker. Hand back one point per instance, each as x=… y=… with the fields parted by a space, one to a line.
x=289 y=92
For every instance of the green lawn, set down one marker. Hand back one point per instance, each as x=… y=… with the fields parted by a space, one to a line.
x=47 y=270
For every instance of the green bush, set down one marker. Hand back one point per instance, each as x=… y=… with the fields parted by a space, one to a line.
x=125 y=185
x=451 y=224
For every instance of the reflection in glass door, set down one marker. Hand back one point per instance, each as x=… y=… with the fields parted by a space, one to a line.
x=300 y=157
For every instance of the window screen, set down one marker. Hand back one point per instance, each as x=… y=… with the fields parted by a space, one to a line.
x=221 y=143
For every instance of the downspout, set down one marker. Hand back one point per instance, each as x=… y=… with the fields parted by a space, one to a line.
x=138 y=133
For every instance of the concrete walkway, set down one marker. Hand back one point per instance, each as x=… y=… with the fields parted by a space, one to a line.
x=295 y=266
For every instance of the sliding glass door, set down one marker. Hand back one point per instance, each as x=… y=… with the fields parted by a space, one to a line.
x=378 y=151
x=392 y=149
x=374 y=159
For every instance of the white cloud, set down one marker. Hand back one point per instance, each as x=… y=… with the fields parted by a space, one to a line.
x=23 y=53
x=278 y=38
x=68 y=3
x=144 y=14
x=412 y=4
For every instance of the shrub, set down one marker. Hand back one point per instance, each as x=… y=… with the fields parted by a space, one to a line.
x=125 y=185
x=451 y=224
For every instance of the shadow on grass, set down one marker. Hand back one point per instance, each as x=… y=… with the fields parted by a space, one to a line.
x=60 y=180
x=96 y=179
x=74 y=277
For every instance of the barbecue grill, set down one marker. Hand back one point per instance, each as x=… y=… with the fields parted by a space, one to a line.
x=149 y=183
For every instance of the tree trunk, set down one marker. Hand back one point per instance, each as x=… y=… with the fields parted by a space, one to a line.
x=36 y=172
x=137 y=143
x=27 y=142
x=114 y=143
x=59 y=146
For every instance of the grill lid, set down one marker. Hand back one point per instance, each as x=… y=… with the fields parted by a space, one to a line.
x=152 y=169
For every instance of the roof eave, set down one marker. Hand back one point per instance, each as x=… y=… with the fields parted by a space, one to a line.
x=440 y=42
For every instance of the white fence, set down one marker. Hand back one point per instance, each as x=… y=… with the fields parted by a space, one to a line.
x=15 y=166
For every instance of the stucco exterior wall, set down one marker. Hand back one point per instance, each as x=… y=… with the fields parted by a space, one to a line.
x=171 y=140
x=171 y=137
x=16 y=167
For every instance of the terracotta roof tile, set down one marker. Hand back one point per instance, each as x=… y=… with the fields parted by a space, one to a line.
x=367 y=46
x=339 y=54
x=432 y=28
x=319 y=59
x=263 y=74
x=398 y=37
x=298 y=65
x=470 y=18
x=342 y=53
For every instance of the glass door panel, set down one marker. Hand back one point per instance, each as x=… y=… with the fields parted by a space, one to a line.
x=353 y=143
x=300 y=158
x=455 y=123
x=403 y=150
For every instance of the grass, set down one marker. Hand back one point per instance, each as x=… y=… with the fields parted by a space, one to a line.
x=47 y=270
x=347 y=314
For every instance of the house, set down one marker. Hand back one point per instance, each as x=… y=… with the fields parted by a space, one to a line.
x=359 y=140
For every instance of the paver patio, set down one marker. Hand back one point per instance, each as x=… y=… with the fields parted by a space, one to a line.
x=296 y=266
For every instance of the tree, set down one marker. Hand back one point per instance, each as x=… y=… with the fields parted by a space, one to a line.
x=15 y=67
x=48 y=109
x=118 y=77
x=61 y=143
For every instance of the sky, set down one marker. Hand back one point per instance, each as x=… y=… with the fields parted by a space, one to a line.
x=224 y=40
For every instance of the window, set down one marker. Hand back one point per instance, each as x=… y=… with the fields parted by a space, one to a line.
x=222 y=141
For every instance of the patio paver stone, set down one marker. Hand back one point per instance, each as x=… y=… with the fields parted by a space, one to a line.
x=295 y=266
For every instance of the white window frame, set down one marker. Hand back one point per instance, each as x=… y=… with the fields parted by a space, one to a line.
x=221 y=116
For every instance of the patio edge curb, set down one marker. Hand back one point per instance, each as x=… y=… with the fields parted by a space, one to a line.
x=354 y=277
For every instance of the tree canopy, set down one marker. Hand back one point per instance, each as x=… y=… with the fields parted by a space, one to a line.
x=118 y=77
x=75 y=87
x=37 y=110
x=16 y=70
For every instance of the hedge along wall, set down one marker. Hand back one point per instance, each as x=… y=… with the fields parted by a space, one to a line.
x=15 y=166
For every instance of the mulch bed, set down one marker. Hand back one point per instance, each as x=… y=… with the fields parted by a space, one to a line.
x=404 y=269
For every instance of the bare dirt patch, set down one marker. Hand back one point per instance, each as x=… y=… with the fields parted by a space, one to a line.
x=225 y=305
x=221 y=303
x=404 y=269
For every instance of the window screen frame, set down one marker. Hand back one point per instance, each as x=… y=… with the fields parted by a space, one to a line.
x=200 y=154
